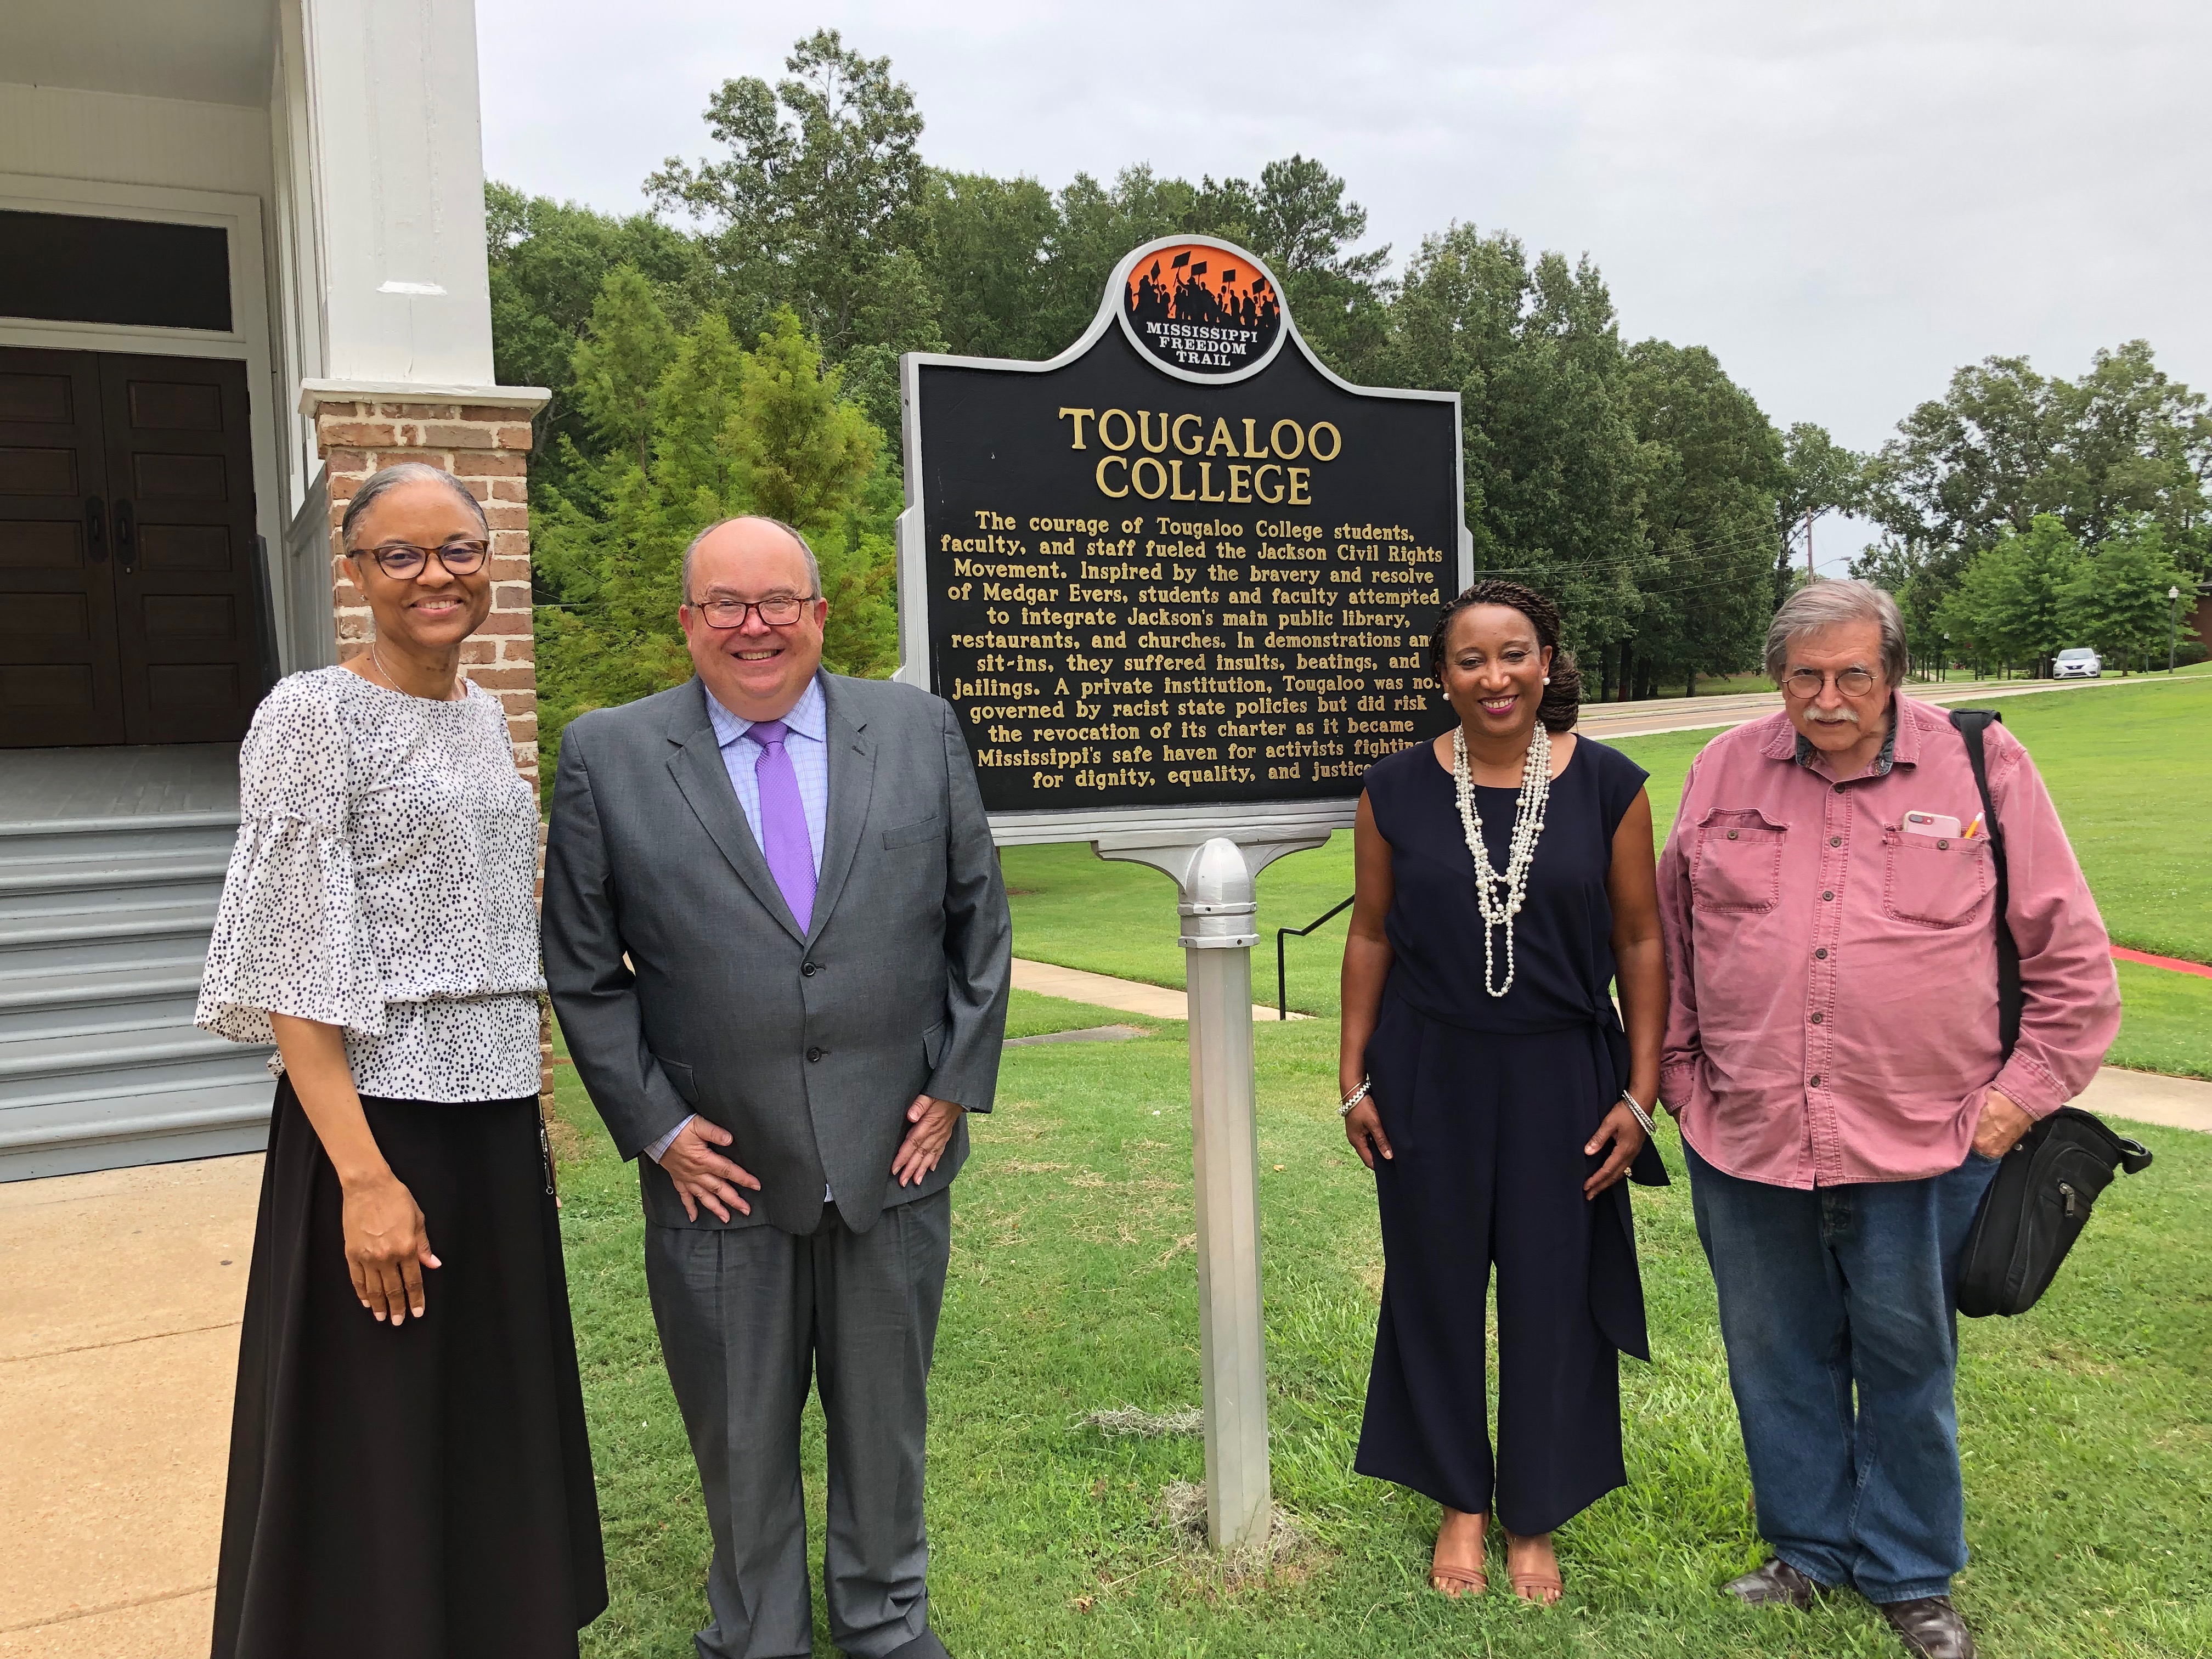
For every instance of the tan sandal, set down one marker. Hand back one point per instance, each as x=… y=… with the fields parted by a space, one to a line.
x=1543 y=1588
x=1456 y=1581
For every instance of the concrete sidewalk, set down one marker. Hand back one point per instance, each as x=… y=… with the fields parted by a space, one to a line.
x=119 y=1348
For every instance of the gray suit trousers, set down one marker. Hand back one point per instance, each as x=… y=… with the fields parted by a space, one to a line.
x=745 y=1316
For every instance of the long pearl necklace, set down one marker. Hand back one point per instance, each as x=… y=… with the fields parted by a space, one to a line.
x=1499 y=908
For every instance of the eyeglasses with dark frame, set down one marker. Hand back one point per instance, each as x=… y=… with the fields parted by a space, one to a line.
x=401 y=560
x=1805 y=683
x=776 y=610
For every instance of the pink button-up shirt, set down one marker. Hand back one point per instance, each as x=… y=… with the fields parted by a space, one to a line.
x=1832 y=997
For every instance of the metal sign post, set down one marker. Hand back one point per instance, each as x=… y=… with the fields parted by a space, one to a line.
x=1176 y=585
x=1218 y=901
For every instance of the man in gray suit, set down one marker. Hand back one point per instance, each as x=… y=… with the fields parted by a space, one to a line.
x=779 y=947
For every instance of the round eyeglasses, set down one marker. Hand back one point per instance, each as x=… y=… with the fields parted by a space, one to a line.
x=777 y=610
x=1805 y=683
x=402 y=561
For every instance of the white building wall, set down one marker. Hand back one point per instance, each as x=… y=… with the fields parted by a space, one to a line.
x=61 y=132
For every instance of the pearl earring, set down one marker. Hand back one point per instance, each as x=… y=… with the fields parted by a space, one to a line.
x=1548 y=680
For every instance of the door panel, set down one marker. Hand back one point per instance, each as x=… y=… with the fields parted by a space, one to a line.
x=180 y=465
x=60 y=680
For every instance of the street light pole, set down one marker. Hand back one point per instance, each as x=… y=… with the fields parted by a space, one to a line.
x=2173 y=623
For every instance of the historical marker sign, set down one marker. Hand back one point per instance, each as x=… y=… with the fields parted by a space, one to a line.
x=1180 y=573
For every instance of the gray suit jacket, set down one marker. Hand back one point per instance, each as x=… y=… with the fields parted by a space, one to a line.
x=683 y=984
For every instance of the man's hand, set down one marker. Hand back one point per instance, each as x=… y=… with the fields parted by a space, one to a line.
x=2000 y=1125
x=703 y=1175
x=933 y=1121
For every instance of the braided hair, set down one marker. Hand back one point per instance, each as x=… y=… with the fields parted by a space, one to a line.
x=1563 y=697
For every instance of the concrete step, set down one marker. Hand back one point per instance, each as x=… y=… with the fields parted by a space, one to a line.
x=156 y=932
x=62 y=887
x=165 y=835
x=129 y=998
x=64 y=1071
x=200 y=1119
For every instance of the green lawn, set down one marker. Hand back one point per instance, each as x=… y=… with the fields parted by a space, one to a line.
x=2087 y=1425
x=2125 y=763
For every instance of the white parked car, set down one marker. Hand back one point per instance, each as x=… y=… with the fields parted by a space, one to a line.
x=2079 y=663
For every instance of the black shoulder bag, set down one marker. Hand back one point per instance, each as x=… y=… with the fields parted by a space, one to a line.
x=2039 y=1202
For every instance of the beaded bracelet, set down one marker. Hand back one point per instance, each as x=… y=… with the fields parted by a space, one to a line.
x=1355 y=1097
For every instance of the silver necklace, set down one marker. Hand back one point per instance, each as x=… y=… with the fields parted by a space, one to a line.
x=1500 y=897
x=402 y=690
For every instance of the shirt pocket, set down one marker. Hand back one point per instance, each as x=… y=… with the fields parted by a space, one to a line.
x=1933 y=881
x=1736 y=866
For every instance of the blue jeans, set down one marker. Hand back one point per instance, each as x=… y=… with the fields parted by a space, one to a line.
x=1837 y=1308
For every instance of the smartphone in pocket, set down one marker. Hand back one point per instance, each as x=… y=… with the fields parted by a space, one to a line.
x=1931 y=824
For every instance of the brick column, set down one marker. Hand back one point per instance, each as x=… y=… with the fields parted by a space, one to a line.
x=487 y=447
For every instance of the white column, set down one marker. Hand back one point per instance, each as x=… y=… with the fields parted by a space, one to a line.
x=397 y=171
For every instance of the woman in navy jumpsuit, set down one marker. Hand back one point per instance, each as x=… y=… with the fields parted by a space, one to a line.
x=1497 y=1124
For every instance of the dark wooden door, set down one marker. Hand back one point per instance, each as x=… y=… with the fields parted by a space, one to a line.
x=181 y=488
x=60 y=679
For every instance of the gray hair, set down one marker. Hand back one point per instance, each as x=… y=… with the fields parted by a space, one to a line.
x=386 y=479
x=813 y=565
x=1828 y=603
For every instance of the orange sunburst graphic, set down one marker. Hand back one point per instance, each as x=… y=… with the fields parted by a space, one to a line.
x=1202 y=306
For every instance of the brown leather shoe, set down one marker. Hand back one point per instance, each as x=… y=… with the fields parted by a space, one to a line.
x=1932 y=1627
x=1775 y=1583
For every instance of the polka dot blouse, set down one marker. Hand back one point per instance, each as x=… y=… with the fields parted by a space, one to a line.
x=384 y=880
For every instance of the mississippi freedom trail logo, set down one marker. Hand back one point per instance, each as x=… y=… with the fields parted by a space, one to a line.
x=1203 y=308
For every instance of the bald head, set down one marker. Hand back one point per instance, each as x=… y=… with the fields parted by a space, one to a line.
x=777 y=525
x=755 y=667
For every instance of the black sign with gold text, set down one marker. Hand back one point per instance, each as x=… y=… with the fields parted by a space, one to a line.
x=1149 y=585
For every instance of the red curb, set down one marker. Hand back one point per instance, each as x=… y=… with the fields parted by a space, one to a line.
x=2121 y=953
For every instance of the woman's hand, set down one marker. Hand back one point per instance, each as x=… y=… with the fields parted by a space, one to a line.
x=1627 y=1136
x=387 y=1245
x=1363 y=1127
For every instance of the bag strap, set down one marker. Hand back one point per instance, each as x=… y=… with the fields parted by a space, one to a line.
x=1971 y=723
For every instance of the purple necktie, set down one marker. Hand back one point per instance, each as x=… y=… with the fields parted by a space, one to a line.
x=783 y=821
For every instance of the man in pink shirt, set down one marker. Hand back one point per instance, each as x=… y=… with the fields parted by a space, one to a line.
x=1833 y=1054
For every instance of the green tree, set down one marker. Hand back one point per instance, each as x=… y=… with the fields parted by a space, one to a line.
x=987 y=251
x=548 y=265
x=618 y=365
x=732 y=432
x=2005 y=443
x=2009 y=601
x=1553 y=466
x=2117 y=601
x=1711 y=461
x=815 y=205
x=1818 y=477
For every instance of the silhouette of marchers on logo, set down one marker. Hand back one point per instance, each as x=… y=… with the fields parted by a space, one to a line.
x=1203 y=308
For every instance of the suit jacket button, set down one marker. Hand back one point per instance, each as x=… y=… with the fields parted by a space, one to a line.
x=810 y=968
x=813 y=1055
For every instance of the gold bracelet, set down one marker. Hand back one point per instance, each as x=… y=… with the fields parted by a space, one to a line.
x=1355 y=1097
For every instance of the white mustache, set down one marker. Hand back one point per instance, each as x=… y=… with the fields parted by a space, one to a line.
x=1836 y=719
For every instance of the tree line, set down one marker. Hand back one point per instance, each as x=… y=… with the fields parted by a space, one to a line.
x=735 y=349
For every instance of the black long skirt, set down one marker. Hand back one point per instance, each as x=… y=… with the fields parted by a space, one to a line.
x=423 y=1492
x=1488 y=1130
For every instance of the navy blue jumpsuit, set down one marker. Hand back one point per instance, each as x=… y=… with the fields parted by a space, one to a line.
x=1488 y=1103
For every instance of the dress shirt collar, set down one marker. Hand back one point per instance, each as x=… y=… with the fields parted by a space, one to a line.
x=809 y=717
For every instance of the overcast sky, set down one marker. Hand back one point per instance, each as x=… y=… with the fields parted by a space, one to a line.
x=1844 y=201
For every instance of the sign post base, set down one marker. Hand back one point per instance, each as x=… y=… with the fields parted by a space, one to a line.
x=1215 y=877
